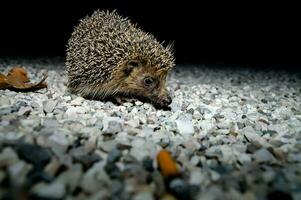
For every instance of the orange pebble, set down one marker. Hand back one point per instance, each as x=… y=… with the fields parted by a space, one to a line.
x=167 y=164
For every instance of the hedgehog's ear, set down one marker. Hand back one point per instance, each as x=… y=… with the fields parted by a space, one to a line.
x=130 y=65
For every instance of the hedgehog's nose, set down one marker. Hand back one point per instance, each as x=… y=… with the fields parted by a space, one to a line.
x=166 y=100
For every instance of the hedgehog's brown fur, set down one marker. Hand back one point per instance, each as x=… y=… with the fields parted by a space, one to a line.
x=108 y=56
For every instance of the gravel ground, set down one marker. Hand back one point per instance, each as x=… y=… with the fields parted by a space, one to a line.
x=234 y=133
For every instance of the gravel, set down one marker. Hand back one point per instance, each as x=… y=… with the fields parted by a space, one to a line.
x=235 y=133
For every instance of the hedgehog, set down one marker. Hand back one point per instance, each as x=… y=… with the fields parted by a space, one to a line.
x=109 y=57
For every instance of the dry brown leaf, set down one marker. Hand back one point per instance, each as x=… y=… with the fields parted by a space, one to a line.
x=167 y=165
x=19 y=72
x=3 y=83
x=18 y=80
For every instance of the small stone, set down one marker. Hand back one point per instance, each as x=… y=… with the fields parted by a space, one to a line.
x=122 y=146
x=264 y=156
x=280 y=154
x=35 y=104
x=4 y=101
x=214 y=175
x=49 y=106
x=148 y=164
x=240 y=125
x=87 y=160
x=159 y=182
x=58 y=142
x=197 y=115
x=213 y=152
x=50 y=123
x=135 y=170
x=264 y=101
x=244 y=158
x=145 y=195
x=34 y=154
x=94 y=179
x=196 y=177
x=112 y=125
x=18 y=172
x=253 y=137
x=73 y=111
x=6 y=111
x=276 y=142
x=53 y=190
x=77 y=101
x=179 y=188
x=37 y=175
x=139 y=153
x=64 y=159
x=114 y=156
x=277 y=194
x=164 y=142
x=138 y=143
x=167 y=196
x=112 y=170
x=24 y=111
x=8 y=157
x=251 y=148
x=71 y=177
x=52 y=167
x=108 y=145
x=185 y=127
x=194 y=160
x=2 y=176
x=138 y=103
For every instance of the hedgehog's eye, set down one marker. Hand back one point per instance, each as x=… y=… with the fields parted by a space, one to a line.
x=148 y=81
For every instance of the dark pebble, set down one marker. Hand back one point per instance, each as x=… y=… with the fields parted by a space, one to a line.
x=113 y=171
x=264 y=101
x=126 y=159
x=164 y=142
x=222 y=169
x=148 y=164
x=241 y=125
x=118 y=188
x=123 y=146
x=179 y=188
x=218 y=116
x=136 y=171
x=34 y=154
x=157 y=178
x=35 y=176
x=114 y=155
x=88 y=160
x=251 y=148
x=281 y=195
x=194 y=190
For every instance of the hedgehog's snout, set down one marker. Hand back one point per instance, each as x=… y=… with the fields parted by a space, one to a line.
x=165 y=100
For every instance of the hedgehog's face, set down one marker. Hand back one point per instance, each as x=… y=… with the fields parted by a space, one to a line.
x=146 y=82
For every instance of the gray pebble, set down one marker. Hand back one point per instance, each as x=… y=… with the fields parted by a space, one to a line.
x=179 y=188
x=113 y=156
x=49 y=106
x=263 y=155
x=54 y=190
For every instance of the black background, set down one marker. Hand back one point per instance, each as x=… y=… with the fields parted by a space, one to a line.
x=234 y=33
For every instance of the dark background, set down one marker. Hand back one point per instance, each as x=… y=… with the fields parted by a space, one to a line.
x=253 y=34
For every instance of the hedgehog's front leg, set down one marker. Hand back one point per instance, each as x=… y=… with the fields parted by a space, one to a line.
x=121 y=99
